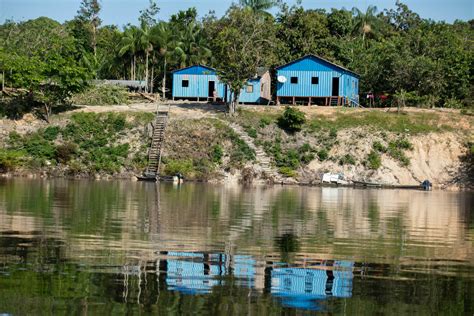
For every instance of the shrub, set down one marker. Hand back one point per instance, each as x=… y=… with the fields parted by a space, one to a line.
x=347 y=160
x=305 y=148
x=264 y=122
x=51 y=132
x=395 y=150
x=102 y=95
x=241 y=151
x=287 y=171
x=252 y=132
x=292 y=120
x=9 y=160
x=323 y=154
x=65 y=152
x=184 y=167
x=333 y=132
x=453 y=103
x=373 y=160
x=217 y=154
x=377 y=146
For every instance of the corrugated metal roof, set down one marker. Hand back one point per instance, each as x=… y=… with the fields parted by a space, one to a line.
x=195 y=70
x=319 y=59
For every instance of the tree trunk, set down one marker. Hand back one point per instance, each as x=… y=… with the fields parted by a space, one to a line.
x=152 y=78
x=131 y=69
x=163 y=87
x=94 y=40
x=134 y=67
x=146 y=70
x=47 y=112
x=233 y=103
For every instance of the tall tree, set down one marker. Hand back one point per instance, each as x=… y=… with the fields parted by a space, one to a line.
x=163 y=38
x=89 y=11
x=130 y=47
x=146 y=45
x=260 y=6
x=244 y=43
x=364 y=22
x=148 y=15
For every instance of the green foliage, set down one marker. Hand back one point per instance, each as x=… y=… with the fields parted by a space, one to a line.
x=287 y=171
x=252 y=132
x=264 y=122
x=40 y=56
x=242 y=152
x=374 y=161
x=9 y=160
x=347 y=159
x=323 y=154
x=51 y=132
x=65 y=152
x=102 y=95
x=414 y=123
x=184 y=167
x=379 y=147
x=89 y=141
x=396 y=150
x=292 y=120
x=242 y=42
x=217 y=154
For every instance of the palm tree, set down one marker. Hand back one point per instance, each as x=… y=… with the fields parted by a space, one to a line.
x=163 y=38
x=130 y=46
x=146 y=44
x=259 y=6
x=364 y=22
x=192 y=48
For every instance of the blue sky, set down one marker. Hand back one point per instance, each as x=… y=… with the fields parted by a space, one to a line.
x=121 y=12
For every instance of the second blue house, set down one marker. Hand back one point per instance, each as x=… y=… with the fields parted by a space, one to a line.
x=314 y=80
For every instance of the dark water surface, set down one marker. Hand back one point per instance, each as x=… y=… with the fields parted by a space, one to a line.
x=106 y=248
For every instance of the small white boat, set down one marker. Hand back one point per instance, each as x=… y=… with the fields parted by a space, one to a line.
x=337 y=178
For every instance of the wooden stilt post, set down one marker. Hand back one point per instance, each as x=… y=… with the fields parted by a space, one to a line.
x=278 y=101
x=309 y=103
x=294 y=100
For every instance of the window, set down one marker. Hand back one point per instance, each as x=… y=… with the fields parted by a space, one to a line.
x=294 y=80
x=185 y=83
x=315 y=80
x=249 y=88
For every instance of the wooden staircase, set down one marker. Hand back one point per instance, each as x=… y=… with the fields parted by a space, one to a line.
x=334 y=101
x=157 y=144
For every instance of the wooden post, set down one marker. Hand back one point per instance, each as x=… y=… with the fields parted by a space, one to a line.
x=278 y=101
x=294 y=100
x=309 y=104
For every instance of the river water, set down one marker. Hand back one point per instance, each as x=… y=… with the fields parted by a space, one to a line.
x=92 y=247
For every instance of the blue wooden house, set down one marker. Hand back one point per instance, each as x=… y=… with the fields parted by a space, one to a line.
x=314 y=80
x=202 y=83
x=197 y=82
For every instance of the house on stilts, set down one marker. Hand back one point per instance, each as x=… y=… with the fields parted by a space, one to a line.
x=201 y=83
x=314 y=80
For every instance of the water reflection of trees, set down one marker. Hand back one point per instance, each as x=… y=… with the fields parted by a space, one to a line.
x=144 y=217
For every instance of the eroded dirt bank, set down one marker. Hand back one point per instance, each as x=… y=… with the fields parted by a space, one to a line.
x=370 y=145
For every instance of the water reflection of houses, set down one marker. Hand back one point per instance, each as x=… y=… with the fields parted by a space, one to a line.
x=299 y=286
